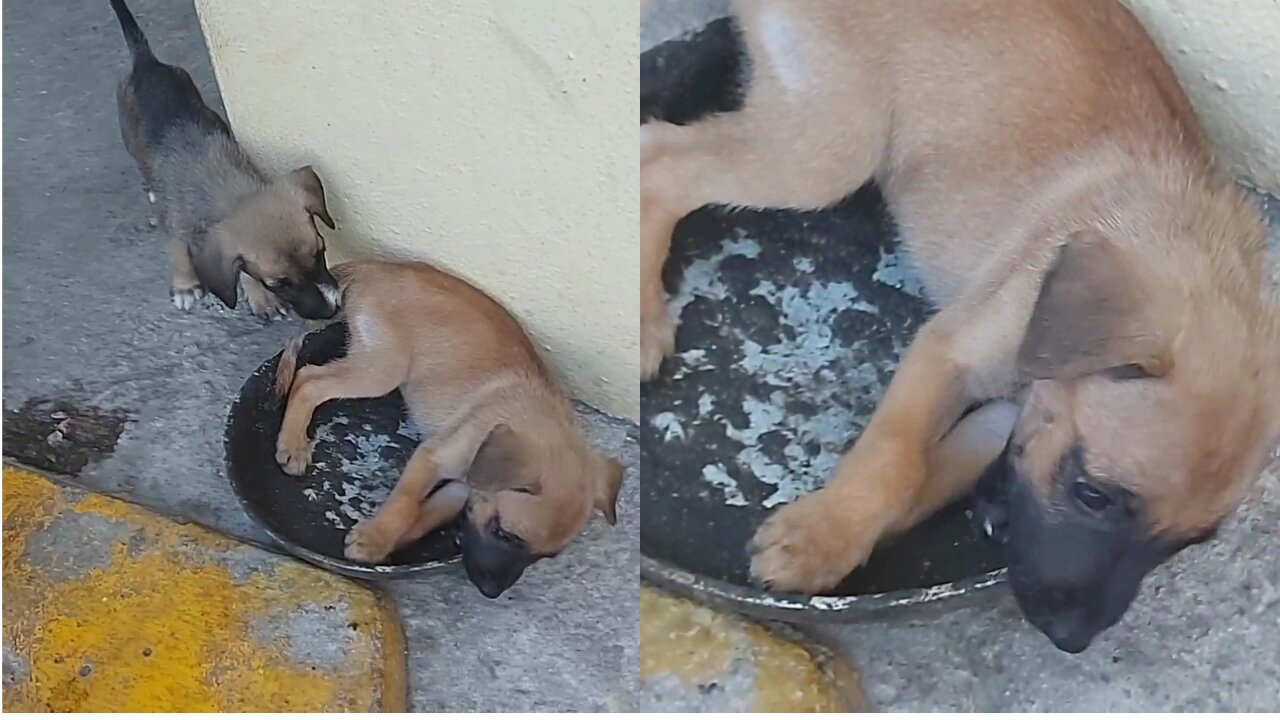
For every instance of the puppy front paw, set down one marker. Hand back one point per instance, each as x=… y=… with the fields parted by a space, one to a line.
x=186 y=298
x=262 y=302
x=368 y=542
x=811 y=545
x=657 y=340
x=293 y=455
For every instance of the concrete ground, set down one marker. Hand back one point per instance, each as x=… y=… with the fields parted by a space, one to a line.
x=90 y=338
x=1204 y=634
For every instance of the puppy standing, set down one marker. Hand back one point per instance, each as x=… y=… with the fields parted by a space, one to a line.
x=493 y=412
x=1090 y=262
x=226 y=221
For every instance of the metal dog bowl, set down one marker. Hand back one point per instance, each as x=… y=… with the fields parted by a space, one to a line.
x=361 y=447
x=791 y=326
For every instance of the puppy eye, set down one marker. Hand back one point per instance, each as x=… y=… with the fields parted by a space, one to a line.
x=280 y=283
x=497 y=531
x=1090 y=496
x=1132 y=371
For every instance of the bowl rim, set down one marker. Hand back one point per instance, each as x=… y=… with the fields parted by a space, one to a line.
x=765 y=605
x=341 y=566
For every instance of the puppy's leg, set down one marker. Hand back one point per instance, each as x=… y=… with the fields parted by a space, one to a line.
x=435 y=512
x=957 y=460
x=404 y=512
x=912 y=457
x=770 y=154
x=186 y=290
x=262 y=302
x=361 y=374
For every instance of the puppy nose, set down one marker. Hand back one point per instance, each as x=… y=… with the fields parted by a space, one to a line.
x=1066 y=634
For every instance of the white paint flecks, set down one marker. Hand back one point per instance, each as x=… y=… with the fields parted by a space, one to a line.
x=669 y=424
x=717 y=477
x=706 y=404
x=808 y=362
x=702 y=277
x=894 y=271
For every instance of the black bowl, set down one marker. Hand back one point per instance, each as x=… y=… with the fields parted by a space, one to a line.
x=791 y=326
x=361 y=447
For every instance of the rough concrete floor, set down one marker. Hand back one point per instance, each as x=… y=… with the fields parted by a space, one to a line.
x=87 y=321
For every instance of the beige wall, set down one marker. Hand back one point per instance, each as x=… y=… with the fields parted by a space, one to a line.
x=1226 y=54
x=496 y=138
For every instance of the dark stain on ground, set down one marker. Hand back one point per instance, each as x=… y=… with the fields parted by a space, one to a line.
x=60 y=435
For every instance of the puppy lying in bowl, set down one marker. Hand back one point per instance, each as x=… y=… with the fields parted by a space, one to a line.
x=1095 y=272
x=496 y=421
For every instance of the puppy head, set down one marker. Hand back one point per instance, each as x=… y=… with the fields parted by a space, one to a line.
x=529 y=499
x=1149 y=414
x=272 y=236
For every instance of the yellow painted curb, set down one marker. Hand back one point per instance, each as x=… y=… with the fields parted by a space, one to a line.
x=690 y=654
x=111 y=608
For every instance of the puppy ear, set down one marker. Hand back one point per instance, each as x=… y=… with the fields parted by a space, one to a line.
x=308 y=182
x=608 y=478
x=1095 y=313
x=500 y=464
x=217 y=268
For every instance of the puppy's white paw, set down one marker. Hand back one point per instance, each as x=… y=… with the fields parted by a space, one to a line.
x=185 y=299
x=367 y=543
x=151 y=197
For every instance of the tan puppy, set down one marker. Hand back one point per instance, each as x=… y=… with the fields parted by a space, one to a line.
x=1089 y=261
x=491 y=409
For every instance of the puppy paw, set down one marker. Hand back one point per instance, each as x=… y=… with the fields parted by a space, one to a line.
x=262 y=303
x=811 y=545
x=368 y=543
x=657 y=340
x=186 y=298
x=293 y=456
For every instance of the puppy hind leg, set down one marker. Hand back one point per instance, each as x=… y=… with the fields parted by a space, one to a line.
x=361 y=374
x=747 y=159
x=436 y=511
x=957 y=460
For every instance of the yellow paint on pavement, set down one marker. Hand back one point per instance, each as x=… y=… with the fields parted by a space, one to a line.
x=727 y=664
x=109 y=607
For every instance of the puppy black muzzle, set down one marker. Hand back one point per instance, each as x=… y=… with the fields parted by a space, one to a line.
x=1074 y=572
x=316 y=297
x=493 y=565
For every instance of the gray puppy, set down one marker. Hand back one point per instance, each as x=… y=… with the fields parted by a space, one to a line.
x=226 y=219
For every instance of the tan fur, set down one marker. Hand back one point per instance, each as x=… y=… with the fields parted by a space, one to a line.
x=473 y=381
x=999 y=131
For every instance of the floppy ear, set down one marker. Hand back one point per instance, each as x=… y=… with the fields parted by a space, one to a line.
x=608 y=477
x=307 y=181
x=217 y=268
x=1094 y=314
x=500 y=464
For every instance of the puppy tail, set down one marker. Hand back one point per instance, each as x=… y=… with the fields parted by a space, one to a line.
x=287 y=368
x=138 y=46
